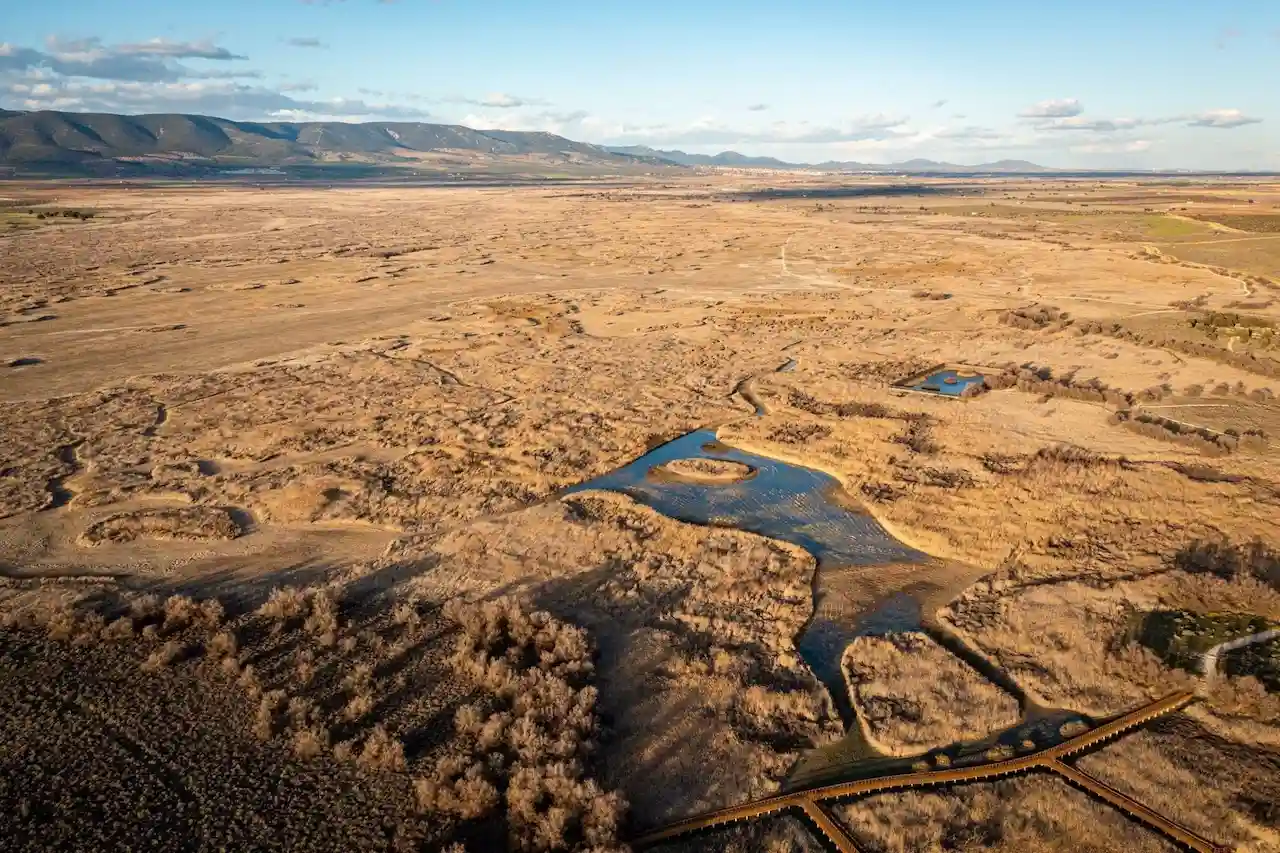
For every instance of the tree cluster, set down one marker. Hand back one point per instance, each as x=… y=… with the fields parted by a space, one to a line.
x=526 y=760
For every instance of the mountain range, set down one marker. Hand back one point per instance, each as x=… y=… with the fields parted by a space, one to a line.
x=98 y=141
x=106 y=143
x=734 y=159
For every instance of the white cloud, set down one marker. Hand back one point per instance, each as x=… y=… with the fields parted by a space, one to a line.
x=1131 y=146
x=160 y=47
x=1221 y=119
x=1212 y=118
x=1103 y=125
x=306 y=41
x=502 y=101
x=712 y=132
x=227 y=99
x=970 y=132
x=758 y=108
x=1061 y=108
x=153 y=60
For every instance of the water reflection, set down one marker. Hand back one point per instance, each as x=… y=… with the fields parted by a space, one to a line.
x=793 y=504
x=950 y=383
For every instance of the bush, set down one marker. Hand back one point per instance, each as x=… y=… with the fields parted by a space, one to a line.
x=170 y=652
x=1232 y=562
x=1199 y=438
x=382 y=752
x=530 y=754
x=310 y=742
x=1037 y=317
x=800 y=400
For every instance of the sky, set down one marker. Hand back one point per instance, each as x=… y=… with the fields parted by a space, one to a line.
x=1078 y=84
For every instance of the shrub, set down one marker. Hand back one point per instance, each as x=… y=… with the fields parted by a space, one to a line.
x=382 y=752
x=145 y=606
x=1036 y=317
x=119 y=629
x=179 y=612
x=528 y=755
x=284 y=603
x=1230 y=561
x=310 y=742
x=323 y=618
x=918 y=436
x=222 y=644
x=170 y=652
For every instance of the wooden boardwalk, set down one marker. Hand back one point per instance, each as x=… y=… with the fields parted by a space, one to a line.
x=1049 y=759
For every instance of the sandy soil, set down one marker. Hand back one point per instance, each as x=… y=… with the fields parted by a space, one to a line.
x=216 y=392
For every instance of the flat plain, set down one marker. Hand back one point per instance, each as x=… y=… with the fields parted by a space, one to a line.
x=281 y=497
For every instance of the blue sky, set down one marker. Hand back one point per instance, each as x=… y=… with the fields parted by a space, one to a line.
x=1125 y=83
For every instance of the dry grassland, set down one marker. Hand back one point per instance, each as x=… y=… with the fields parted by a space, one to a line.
x=914 y=695
x=1035 y=814
x=327 y=419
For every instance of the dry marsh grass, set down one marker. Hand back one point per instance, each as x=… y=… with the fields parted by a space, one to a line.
x=912 y=695
x=526 y=763
x=218 y=428
x=1211 y=785
x=1026 y=814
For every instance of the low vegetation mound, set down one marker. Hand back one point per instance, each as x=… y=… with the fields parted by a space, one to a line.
x=914 y=695
x=1199 y=438
x=1215 y=787
x=1025 y=814
x=1257 y=333
x=705 y=470
x=1037 y=317
x=198 y=523
x=1232 y=561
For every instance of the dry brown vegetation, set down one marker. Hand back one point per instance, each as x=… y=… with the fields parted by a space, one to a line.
x=333 y=413
x=706 y=470
x=195 y=523
x=685 y=619
x=1027 y=814
x=529 y=756
x=1203 y=439
x=1214 y=786
x=913 y=695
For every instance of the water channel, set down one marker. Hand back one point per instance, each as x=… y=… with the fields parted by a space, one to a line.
x=810 y=509
x=781 y=501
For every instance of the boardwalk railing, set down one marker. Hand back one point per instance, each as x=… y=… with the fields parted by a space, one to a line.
x=1049 y=759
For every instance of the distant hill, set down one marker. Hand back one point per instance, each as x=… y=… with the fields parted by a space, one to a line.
x=102 y=140
x=733 y=158
x=724 y=158
x=105 y=143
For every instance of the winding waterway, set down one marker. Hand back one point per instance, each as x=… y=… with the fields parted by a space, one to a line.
x=782 y=501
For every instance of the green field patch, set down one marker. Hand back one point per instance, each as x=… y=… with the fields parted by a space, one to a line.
x=1260 y=223
x=1261 y=660
x=1170 y=228
x=1180 y=638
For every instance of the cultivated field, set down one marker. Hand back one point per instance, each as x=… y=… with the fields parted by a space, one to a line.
x=280 y=476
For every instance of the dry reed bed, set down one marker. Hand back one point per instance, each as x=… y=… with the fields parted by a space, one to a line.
x=331 y=685
x=912 y=695
x=1026 y=814
x=1212 y=785
x=697 y=632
